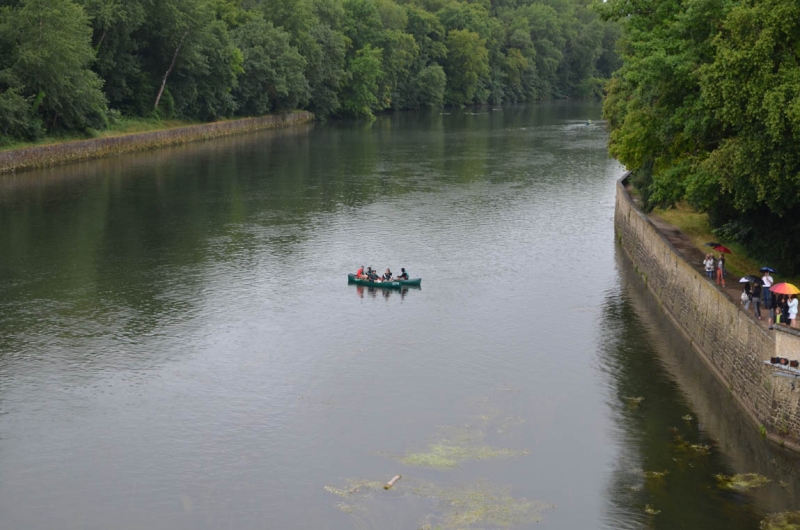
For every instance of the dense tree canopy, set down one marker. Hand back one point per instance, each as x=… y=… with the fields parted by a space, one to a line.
x=73 y=65
x=706 y=108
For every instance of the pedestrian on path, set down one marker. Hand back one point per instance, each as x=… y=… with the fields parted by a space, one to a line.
x=747 y=296
x=767 y=281
x=708 y=263
x=756 y=294
x=793 y=311
x=721 y=270
x=775 y=315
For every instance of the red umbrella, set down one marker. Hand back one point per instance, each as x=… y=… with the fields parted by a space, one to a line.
x=724 y=250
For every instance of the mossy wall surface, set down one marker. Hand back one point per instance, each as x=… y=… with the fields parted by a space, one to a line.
x=50 y=155
x=732 y=344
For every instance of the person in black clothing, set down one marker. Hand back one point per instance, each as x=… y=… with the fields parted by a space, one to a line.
x=387 y=276
x=784 y=303
x=756 y=294
x=403 y=274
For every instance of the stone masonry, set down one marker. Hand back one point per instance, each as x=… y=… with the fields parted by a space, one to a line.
x=729 y=341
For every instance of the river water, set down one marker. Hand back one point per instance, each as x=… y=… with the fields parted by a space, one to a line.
x=180 y=349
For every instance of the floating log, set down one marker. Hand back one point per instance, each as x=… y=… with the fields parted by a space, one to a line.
x=391 y=482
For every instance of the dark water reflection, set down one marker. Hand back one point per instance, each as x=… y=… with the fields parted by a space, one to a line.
x=683 y=405
x=179 y=347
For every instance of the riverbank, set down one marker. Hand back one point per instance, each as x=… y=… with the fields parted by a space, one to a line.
x=59 y=153
x=732 y=342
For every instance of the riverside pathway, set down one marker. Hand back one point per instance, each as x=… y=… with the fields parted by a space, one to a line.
x=695 y=256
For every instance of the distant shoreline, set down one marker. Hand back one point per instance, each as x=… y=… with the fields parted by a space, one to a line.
x=49 y=155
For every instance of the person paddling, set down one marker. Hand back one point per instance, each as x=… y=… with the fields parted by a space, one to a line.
x=360 y=272
x=387 y=276
x=403 y=274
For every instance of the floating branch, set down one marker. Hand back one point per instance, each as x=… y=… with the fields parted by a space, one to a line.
x=391 y=482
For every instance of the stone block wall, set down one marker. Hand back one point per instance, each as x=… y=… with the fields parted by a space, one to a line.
x=59 y=153
x=732 y=345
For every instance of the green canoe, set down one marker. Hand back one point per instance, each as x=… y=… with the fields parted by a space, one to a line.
x=351 y=278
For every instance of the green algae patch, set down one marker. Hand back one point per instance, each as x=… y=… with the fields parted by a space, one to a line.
x=701 y=449
x=649 y=510
x=744 y=481
x=478 y=505
x=481 y=505
x=650 y=474
x=684 y=445
x=634 y=401
x=781 y=521
x=447 y=454
x=352 y=487
x=454 y=446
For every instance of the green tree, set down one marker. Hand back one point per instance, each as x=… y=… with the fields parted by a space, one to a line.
x=17 y=119
x=326 y=68
x=705 y=109
x=360 y=94
x=399 y=56
x=115 y=24
x=187 y=46
x=428 y=33
x=753 y=85
x=273 y=77
x=467 y=63
x=428 y=88
x=362 y=23
x=49 y=58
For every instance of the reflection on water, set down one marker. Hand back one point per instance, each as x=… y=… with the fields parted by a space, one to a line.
x=681 y=435
x=374 y=292
x=179 y=348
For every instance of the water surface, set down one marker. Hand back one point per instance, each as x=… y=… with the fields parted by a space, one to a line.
x=179 y=348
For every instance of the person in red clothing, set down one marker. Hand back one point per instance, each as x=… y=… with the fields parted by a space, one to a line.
x=360 y=272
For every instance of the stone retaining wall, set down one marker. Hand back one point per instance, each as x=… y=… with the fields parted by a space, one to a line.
x=732 y=344
x=50 y=155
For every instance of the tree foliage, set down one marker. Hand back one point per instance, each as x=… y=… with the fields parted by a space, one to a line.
x=706 y=108
x=65 y=64
x=47 y=59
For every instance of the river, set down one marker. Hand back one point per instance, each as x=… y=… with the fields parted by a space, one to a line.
x=180 y=349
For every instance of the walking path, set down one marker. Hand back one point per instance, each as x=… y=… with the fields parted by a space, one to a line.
x=693 y=255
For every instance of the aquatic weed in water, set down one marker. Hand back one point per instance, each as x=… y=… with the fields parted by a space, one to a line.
x=481 y=504
x=781 y=521
x=634 y=402
x=743 y=481
x=455 y=446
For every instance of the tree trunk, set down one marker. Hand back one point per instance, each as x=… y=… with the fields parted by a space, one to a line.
x=100 y=42
x=169 y=70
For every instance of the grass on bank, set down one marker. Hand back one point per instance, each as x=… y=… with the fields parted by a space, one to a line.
x=695 y=225
x=121 y=127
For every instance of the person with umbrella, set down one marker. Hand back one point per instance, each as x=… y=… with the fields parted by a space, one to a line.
x=721 y=270
x=747 y=295
x=789 y=305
